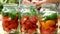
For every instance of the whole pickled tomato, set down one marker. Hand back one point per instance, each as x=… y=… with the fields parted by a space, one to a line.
x=24 y=18
x=28 y=24
x=51 y=30
x=24 y=28
x=33 y=19
x=9 y=24
x=7 y=29
x=5 y=18
x=30 y=31
x=6 y=23
x=33 y=27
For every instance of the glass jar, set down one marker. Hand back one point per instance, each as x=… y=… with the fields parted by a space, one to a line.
x=48 y=19
x=10 y=18
x=29 y=19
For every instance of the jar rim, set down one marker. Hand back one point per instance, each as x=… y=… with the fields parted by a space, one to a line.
x=48 y=5
x=10 y=4
x=27 y=5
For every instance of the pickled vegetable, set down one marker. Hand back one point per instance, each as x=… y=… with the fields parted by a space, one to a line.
x=48 y=19
x=29 y=19
x=10 y=18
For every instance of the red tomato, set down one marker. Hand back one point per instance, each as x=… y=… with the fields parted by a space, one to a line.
x=31 y=31
x=6 y=24
x=51 y=30
x=24 y=18
x=15 y=26
x=12 y=21
x=28 y=24
x=33 y=19
x=34 y=27
x=11 y=26
x=5 y=18
x=7 y=29
x=24 y=29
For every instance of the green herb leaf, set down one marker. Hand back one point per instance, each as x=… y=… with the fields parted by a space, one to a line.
x=33 y=11
x=19 y=14
x=13 y=14
x=4 y=13
x=52 y=15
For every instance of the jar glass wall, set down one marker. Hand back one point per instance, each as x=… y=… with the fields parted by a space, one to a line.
x=29 y=19
x=10 y=18
x=48 y=19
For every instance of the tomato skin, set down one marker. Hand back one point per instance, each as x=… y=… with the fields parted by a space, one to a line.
x=47 y=24
x=34 y=27
x=24 y=18
x=15 y=25
x=5 y=18
x=26 y=26
x=12 y=21
x=28 y=23
x=51 y=30
x=48 y=27
x=50 y=22
x=9 y=24
x=24 y=29
x=5 y=24
x=30 y=31
x=7 y=29
x=33 y=19
x=5 y=21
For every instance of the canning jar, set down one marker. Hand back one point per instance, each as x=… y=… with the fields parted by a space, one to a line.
x=29 y=19
x=10 y=18
x=48 y=19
